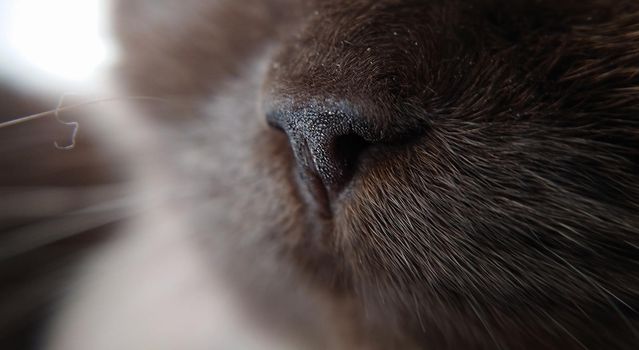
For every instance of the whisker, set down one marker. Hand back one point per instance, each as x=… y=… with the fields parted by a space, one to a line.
x=74 y=124
x=32 y=237
x=33 y=202
x=53 y=112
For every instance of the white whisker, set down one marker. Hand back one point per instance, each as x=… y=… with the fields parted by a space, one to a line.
x=33 y=202
x=32 y=237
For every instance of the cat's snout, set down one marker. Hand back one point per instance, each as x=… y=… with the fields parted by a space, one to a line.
x=327 y=139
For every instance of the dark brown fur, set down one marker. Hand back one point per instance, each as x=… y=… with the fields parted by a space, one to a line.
x=510 y=220
x=496 y=203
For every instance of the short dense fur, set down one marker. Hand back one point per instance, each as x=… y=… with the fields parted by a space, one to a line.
x=495 y=205
x=511 y=221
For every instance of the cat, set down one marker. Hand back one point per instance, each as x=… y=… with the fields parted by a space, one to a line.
x=393 y=174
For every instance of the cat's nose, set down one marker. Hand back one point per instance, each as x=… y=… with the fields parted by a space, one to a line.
x=327 y=140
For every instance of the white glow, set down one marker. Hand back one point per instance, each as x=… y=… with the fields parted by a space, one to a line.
x=54 y=42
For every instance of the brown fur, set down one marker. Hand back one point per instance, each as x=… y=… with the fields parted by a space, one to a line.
x=494 y=205
x=511 y=220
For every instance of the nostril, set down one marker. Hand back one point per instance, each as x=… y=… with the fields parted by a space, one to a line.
x=327 y=140
x=348 y=149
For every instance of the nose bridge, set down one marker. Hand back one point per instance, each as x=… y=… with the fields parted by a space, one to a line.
x=372 y=58
x=320 y=122
x=316 y=121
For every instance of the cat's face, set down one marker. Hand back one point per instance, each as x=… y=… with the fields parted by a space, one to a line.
x=463 y=173
x=467 y=167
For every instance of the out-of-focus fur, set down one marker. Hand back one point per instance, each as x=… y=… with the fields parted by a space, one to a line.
x=496 y=209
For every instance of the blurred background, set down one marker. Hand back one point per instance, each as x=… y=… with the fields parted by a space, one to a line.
x=46 y=46
x=47 y=197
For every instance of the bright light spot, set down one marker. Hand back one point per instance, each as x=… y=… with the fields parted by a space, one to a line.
x=54 y=42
